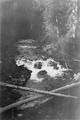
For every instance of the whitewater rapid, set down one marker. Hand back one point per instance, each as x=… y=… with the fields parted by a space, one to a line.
x=52 y=68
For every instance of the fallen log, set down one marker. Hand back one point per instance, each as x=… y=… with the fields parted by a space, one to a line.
x=40 y=91
x=49 y=93
x=3 y=109
x=52 y=92
x=76 y=60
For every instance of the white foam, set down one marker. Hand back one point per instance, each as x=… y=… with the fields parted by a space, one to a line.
x=27 y=46
x=45 y=66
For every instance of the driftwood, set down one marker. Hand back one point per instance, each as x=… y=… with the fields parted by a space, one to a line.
x=3 y=109
x=77 y=60
x=40 y=91
x=49 y=93
x=52 y=92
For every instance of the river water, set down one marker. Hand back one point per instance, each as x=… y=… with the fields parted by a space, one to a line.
x=19 y=22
